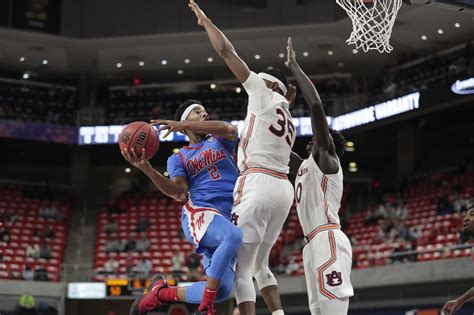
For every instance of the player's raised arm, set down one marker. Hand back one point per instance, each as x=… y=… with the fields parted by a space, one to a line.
x=217 y=128
x=176 y=188
x=221 y=44
x=319 y=122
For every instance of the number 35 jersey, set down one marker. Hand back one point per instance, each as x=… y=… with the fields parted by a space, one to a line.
x=318 y=195
x=269 y=133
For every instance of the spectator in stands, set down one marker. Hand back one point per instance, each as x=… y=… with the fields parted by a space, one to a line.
x=401 y=212
x=142 y=244
x=143 y=268
x=403 y=231
x=177 y=261
x=460 y=204
x=45 y=251
x=113 y=245
x=41 y=274
x=390 y=90
x=445 y=205
x=4 y=235
x=111 y=266
x=416 y=232
x=292 y=267
x=128 y=245
x=110 y=226
x=142 y=225
x=129 y=264
x=27 y=273
x=33 y=251
x=10 y=216
x=49 y=232
x=194 y=262
x=26 y=304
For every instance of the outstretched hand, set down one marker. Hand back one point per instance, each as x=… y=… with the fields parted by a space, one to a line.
x=290 y=54
x=201 y=17
x=450 y=307
x=170 y=125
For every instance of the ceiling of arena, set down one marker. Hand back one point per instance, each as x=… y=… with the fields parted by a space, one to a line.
x=68 y=54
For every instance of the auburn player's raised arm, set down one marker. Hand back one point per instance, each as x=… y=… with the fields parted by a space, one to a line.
x=221 y=44
x=176 y=188
x=319 y=121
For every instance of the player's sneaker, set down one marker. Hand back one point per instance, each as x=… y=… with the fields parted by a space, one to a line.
x=149 y=301
x=209 y=310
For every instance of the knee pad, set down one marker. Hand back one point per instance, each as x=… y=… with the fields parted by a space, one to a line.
x=264 y=277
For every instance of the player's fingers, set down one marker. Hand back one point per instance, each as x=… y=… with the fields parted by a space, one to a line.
x=134 y=154
x=142 y=155
x=125 y=154
x=164 y=127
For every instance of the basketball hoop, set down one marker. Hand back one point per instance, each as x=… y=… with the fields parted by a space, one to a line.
x=372 y=22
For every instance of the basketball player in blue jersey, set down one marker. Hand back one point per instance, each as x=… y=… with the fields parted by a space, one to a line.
x=203 y=174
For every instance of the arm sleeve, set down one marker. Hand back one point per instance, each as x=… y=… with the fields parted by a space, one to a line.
x=259 y=94
x=175 y=166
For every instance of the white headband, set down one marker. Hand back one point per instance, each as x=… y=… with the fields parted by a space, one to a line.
x=189 y=110
x=271 y=78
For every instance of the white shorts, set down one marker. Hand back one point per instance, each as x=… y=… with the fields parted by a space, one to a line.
x=261 y=205
x=327 y=260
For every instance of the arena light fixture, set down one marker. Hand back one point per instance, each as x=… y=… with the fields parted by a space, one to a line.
x=166 y=174
x=180 y=71
x=44 y=62
x=141 y=63
x=210 y=59
x=424 y=37
x=119 y=65
x=164 y=62
x=457 y=25
x=355 y=51
x=440 y=31
x=212 y=86
x=187 y=61
x=340 y=64
x=22 y=59
x=175 y=150
x=26 y=76
x=350 y=146
x=281 y=55
x=127 y=170
x=238 y=90
x=257 y=57
x=305 y=54
x=352 y=167
x=330 y=52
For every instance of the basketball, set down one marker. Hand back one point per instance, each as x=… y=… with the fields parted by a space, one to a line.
x=139 y=135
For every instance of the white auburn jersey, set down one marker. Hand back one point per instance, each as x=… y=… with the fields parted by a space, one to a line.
x=318 y=195
x=269 y=133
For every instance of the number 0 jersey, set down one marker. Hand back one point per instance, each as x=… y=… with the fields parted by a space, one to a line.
x=318 y=196
x=269 y=133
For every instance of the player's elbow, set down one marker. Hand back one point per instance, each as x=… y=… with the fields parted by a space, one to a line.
x=232 y=131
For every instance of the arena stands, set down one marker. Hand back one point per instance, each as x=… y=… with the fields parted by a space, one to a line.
x=412 y=225
x=37 y=102
x=142 y=102
x=33 y=229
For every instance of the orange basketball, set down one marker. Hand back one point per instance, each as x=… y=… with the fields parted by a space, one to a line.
x=139 y=135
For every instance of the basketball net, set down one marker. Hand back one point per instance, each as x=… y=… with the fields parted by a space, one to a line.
x=372 y=23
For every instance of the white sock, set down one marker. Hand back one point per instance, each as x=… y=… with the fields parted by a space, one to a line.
x=278 y=312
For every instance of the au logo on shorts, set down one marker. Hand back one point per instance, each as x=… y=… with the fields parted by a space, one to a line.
x=334 y=279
